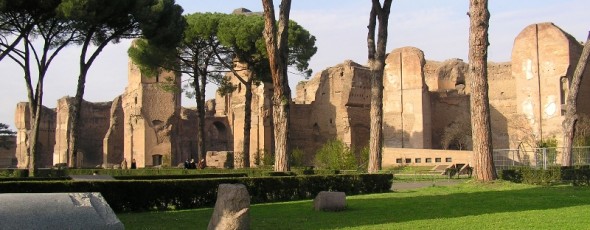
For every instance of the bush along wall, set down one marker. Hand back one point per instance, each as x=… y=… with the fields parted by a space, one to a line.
x=577 y=175
x=145 y=195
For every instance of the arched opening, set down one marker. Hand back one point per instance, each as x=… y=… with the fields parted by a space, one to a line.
x=218 y=137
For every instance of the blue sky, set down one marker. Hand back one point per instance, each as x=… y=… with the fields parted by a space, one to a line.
x=439 y=28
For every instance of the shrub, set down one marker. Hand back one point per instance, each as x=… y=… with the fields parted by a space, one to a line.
x=296 y=157
x=268 y=158
x=577 y=175
x=335 y=155
x=131 y=195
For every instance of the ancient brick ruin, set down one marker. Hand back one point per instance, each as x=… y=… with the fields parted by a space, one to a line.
x=421 y=99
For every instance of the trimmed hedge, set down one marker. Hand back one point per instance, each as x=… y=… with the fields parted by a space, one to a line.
x=144 y=195
x=186 y=176
x=577 y=175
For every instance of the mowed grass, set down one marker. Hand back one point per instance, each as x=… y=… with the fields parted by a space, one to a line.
x=469 y=205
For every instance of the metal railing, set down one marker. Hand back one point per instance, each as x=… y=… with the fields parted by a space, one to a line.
x=540 y=158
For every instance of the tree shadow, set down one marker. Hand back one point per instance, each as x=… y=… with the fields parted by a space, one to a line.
x=405 y=208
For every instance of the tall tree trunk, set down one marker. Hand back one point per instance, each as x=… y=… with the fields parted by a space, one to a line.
x=198 y=84
x=75 y=115
x=276 y=47
x=76 y=110
x=480 y=108
x=377 y=50
x=247 y=123
x=35 y=119
x=571 y=113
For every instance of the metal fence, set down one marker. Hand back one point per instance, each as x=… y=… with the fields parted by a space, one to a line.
x=539 y=158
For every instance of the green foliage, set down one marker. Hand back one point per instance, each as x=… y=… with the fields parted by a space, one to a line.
x=296 y=157
x=582 y=131
x=131 y=195
x=6 y=135
x=335 y=155
x=364 y=159
x=577 y=175
x=268 y=158
x=548 y=145
x=457 y=135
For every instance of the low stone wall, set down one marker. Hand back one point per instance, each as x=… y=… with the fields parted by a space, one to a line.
x=424 y=157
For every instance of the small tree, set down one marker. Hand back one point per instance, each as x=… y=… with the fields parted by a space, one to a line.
x=334 y=154
x=457 y=135
x=101 y=22
x=245 y=49
x=49 y=35
x=5 y=136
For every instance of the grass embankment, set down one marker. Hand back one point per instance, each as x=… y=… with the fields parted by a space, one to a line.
x=469 y=205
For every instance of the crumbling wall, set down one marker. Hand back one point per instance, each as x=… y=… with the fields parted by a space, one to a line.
x=113 y=142
x=339 y=109
x=93 y=126
x=46 y=138
x=406 y=102
x=542 y=64
x=151 y=119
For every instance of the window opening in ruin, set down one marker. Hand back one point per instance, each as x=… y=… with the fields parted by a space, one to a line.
x=438 y=160
x=448 y=159
x=428 y=160
x=330 y=120
x=136 y=100
x=398 y=160
x=156 y=122
x=239 y=87
x=563 y=91
x=418 y=160
x=408 y=160
x=157 y=159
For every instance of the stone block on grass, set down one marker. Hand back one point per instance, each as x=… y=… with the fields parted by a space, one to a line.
x=329 y=201
x=232 y=208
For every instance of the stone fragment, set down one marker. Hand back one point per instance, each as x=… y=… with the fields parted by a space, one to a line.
x=232 y=208
x=56 y=211
x=329 y=201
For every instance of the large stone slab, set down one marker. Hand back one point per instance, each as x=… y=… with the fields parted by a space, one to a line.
x=56 y=211
x=329 y=201
x=232 y=208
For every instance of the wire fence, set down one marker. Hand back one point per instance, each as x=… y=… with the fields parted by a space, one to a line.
x=539 y=158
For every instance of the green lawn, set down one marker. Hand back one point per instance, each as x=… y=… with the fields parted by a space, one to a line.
x=470 y=205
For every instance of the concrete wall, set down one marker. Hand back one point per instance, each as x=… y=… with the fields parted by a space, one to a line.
x=393 y=157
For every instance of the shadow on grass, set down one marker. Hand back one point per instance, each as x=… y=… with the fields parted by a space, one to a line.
x=397 y=208
x=366 y=210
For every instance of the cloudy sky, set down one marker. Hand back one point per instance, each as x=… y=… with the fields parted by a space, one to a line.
x=439 y=28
